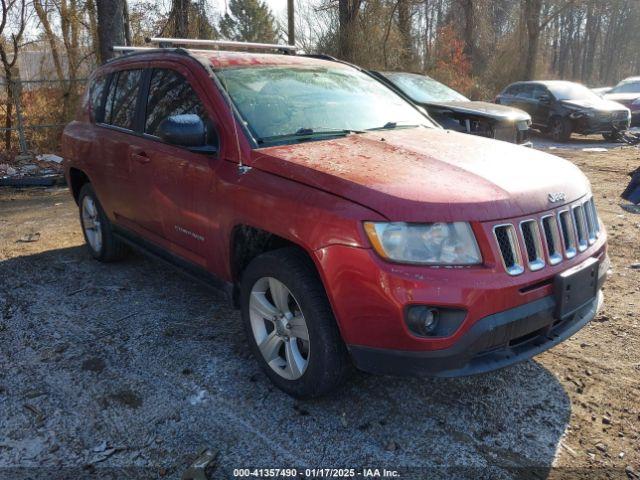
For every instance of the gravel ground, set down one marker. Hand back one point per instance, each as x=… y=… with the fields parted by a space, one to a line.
x=135 y=365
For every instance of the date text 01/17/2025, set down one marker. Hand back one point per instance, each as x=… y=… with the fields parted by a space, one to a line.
x=314 y=473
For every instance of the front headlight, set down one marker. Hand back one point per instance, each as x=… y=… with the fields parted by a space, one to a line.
x=636 y=101
x=425 y=244
x=583 y=113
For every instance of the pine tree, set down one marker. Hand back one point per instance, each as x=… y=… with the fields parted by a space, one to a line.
x=249 y=21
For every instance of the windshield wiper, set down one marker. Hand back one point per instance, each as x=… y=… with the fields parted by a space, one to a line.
x=308 y=133
x=392 y=125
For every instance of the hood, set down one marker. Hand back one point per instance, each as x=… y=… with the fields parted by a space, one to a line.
x=422 y=175
x=601 y=105
x=484 y=109
x=623 y=98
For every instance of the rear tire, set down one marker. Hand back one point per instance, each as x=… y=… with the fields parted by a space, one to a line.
x=560 y=129
x=97 y=229
x=285 y=310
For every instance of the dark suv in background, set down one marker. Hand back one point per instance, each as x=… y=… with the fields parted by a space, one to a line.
x=561 y=108
x=456 y=112
x=627 y=93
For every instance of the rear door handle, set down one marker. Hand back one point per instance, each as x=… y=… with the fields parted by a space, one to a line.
x=140 y=157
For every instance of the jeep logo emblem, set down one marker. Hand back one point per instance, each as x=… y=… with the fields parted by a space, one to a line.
x=556 y=197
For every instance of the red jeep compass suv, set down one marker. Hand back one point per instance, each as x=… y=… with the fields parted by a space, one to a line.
x=348 y=227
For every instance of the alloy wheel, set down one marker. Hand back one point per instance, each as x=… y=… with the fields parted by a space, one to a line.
x=279 y=328
x=91 y=223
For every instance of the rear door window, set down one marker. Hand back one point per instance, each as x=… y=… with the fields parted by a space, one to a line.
x=120 y=106
x=525 y=91
x=170 y=94
x=513 y=90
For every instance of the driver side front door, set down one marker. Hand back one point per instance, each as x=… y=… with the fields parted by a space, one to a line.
x=183 y=183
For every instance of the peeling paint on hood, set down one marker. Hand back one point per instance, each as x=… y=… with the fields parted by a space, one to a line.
x=421 y=174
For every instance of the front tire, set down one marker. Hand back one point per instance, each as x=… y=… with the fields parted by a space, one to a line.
x=560 y=129
x=612 y=137
x=290 y=325
x=97 y=229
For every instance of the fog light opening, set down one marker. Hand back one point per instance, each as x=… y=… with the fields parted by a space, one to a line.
x=423 y=320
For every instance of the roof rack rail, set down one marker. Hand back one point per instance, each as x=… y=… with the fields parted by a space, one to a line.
x=168 y=42
x=127 y=48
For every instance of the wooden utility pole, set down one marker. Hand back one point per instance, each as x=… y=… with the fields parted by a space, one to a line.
x=290 y=18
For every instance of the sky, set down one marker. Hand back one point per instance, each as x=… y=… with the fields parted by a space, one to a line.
x=278 y=7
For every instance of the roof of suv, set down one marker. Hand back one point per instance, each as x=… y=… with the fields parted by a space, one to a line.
x=219 y=59
x=544 y=82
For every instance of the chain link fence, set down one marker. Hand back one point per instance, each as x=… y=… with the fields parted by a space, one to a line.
x=33 y=114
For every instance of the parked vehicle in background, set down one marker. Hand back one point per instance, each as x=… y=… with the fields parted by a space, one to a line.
x=456 y=112
x=561 y=108
x=345 y=224
x=627 y=93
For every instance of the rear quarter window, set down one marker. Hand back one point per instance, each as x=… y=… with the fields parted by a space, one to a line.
x=96 y=97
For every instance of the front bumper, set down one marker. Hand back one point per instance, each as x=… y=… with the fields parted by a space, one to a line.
x=370 y=299
x=516 y=131
x=493 y=342
x=587 y=126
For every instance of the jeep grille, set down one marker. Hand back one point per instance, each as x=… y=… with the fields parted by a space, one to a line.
x=549 y=239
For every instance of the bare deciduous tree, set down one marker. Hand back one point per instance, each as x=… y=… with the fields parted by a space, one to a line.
x=348 y=14
x=13 y=11
x=111 y=26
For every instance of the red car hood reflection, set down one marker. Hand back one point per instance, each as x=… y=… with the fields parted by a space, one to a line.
x=421 y=174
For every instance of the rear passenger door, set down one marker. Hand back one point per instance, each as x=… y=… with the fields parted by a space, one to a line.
x=542 y=97
x=182 y=193
x=118 y=141
x=524 y=99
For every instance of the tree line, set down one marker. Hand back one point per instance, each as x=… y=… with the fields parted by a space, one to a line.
x=476 y=46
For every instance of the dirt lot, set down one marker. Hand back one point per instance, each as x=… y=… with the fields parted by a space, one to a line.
x=134 y=365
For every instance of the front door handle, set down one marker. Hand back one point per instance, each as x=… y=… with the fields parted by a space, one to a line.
x=140 y=157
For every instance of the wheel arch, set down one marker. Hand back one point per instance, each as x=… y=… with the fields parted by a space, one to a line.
x=77 y=179
x=247 y=242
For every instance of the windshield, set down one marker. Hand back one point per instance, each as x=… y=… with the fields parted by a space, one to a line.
x=424 y=89
x=303 y=102
x=628 y=87
x=571 y=91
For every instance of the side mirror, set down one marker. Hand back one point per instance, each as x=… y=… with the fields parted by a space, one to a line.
x=544 y=99
x=185 y=131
